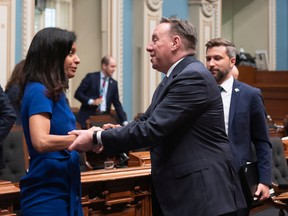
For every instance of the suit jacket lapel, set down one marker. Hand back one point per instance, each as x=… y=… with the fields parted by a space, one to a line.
x=179 y=67
x=109 y=90
x=156 y=95
x=97 y=83
x=234 y=100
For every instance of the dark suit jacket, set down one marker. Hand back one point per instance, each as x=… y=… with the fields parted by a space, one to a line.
x=90 y=88
x=7 y=119
x=192 y=170
x=247 y=124
x=13 y=93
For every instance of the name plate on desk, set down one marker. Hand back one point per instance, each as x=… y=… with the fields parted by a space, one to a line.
x=139 y=158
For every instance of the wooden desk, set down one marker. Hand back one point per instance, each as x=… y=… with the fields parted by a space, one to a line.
x=124 y=191
x=9 y=197
x=141 y=158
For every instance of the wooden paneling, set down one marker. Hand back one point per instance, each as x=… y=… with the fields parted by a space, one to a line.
x=141 y=158
x=116 y=192
x=274 y=88
x=124 y=191
x=9 y=197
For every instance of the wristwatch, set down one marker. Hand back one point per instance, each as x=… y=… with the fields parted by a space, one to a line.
x=96 y=144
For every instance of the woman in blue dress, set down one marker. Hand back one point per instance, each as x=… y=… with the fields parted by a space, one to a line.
x=52 y=184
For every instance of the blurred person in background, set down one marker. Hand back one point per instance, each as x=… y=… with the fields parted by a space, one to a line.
x=12 y=89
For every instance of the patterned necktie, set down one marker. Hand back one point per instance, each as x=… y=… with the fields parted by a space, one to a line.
x=102 y=87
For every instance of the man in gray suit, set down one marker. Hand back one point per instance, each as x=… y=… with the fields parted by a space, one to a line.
x=192 y=171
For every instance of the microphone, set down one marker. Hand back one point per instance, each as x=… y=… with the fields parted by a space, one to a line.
x=123 y=158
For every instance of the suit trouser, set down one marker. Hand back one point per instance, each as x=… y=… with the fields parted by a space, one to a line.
x=157 y=211
x=243 y=212
x=229 y=214
x=156 y=208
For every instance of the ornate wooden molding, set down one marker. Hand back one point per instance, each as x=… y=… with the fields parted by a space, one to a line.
x=112 y=36
x=206 y=16
x=272 y=35
x=7 y=38
x=207 y=9
x=154 y=5
x=27 y=25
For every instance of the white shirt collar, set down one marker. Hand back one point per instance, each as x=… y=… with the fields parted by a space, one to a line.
x=228 y=84
x=102 y=75
x=172 y=67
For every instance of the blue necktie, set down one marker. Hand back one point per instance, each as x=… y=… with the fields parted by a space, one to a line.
x=221 y=89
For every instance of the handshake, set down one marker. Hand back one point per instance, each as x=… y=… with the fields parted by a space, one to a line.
x=84 y=138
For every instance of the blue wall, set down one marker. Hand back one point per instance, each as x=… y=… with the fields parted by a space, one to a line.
x=127 y=57
x=18 y=37
x=177 y=8
x=282 y=35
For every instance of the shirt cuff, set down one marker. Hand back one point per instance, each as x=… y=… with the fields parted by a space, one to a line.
x=90 y=101
x=99 y=137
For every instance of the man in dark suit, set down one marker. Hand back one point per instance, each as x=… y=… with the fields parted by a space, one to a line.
x=98 y=91
x=7 y=119
x=192 y=171
x=245 y=116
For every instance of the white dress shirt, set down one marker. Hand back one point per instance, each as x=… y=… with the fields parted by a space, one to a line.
x=226 y=99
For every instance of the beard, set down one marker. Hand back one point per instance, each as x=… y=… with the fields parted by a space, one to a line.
x=221 y=75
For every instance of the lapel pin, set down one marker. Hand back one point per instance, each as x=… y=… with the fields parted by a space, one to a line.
x=236 y=90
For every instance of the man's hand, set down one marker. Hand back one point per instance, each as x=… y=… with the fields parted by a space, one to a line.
x=262 y=192
x=110 y=126
x=97 y=101
x=94 y=128
x=83 y=142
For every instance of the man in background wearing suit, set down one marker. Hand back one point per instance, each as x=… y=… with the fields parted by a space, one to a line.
x=245 y=116
x=98 y=91
x=191 y=161
x=7 y=119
